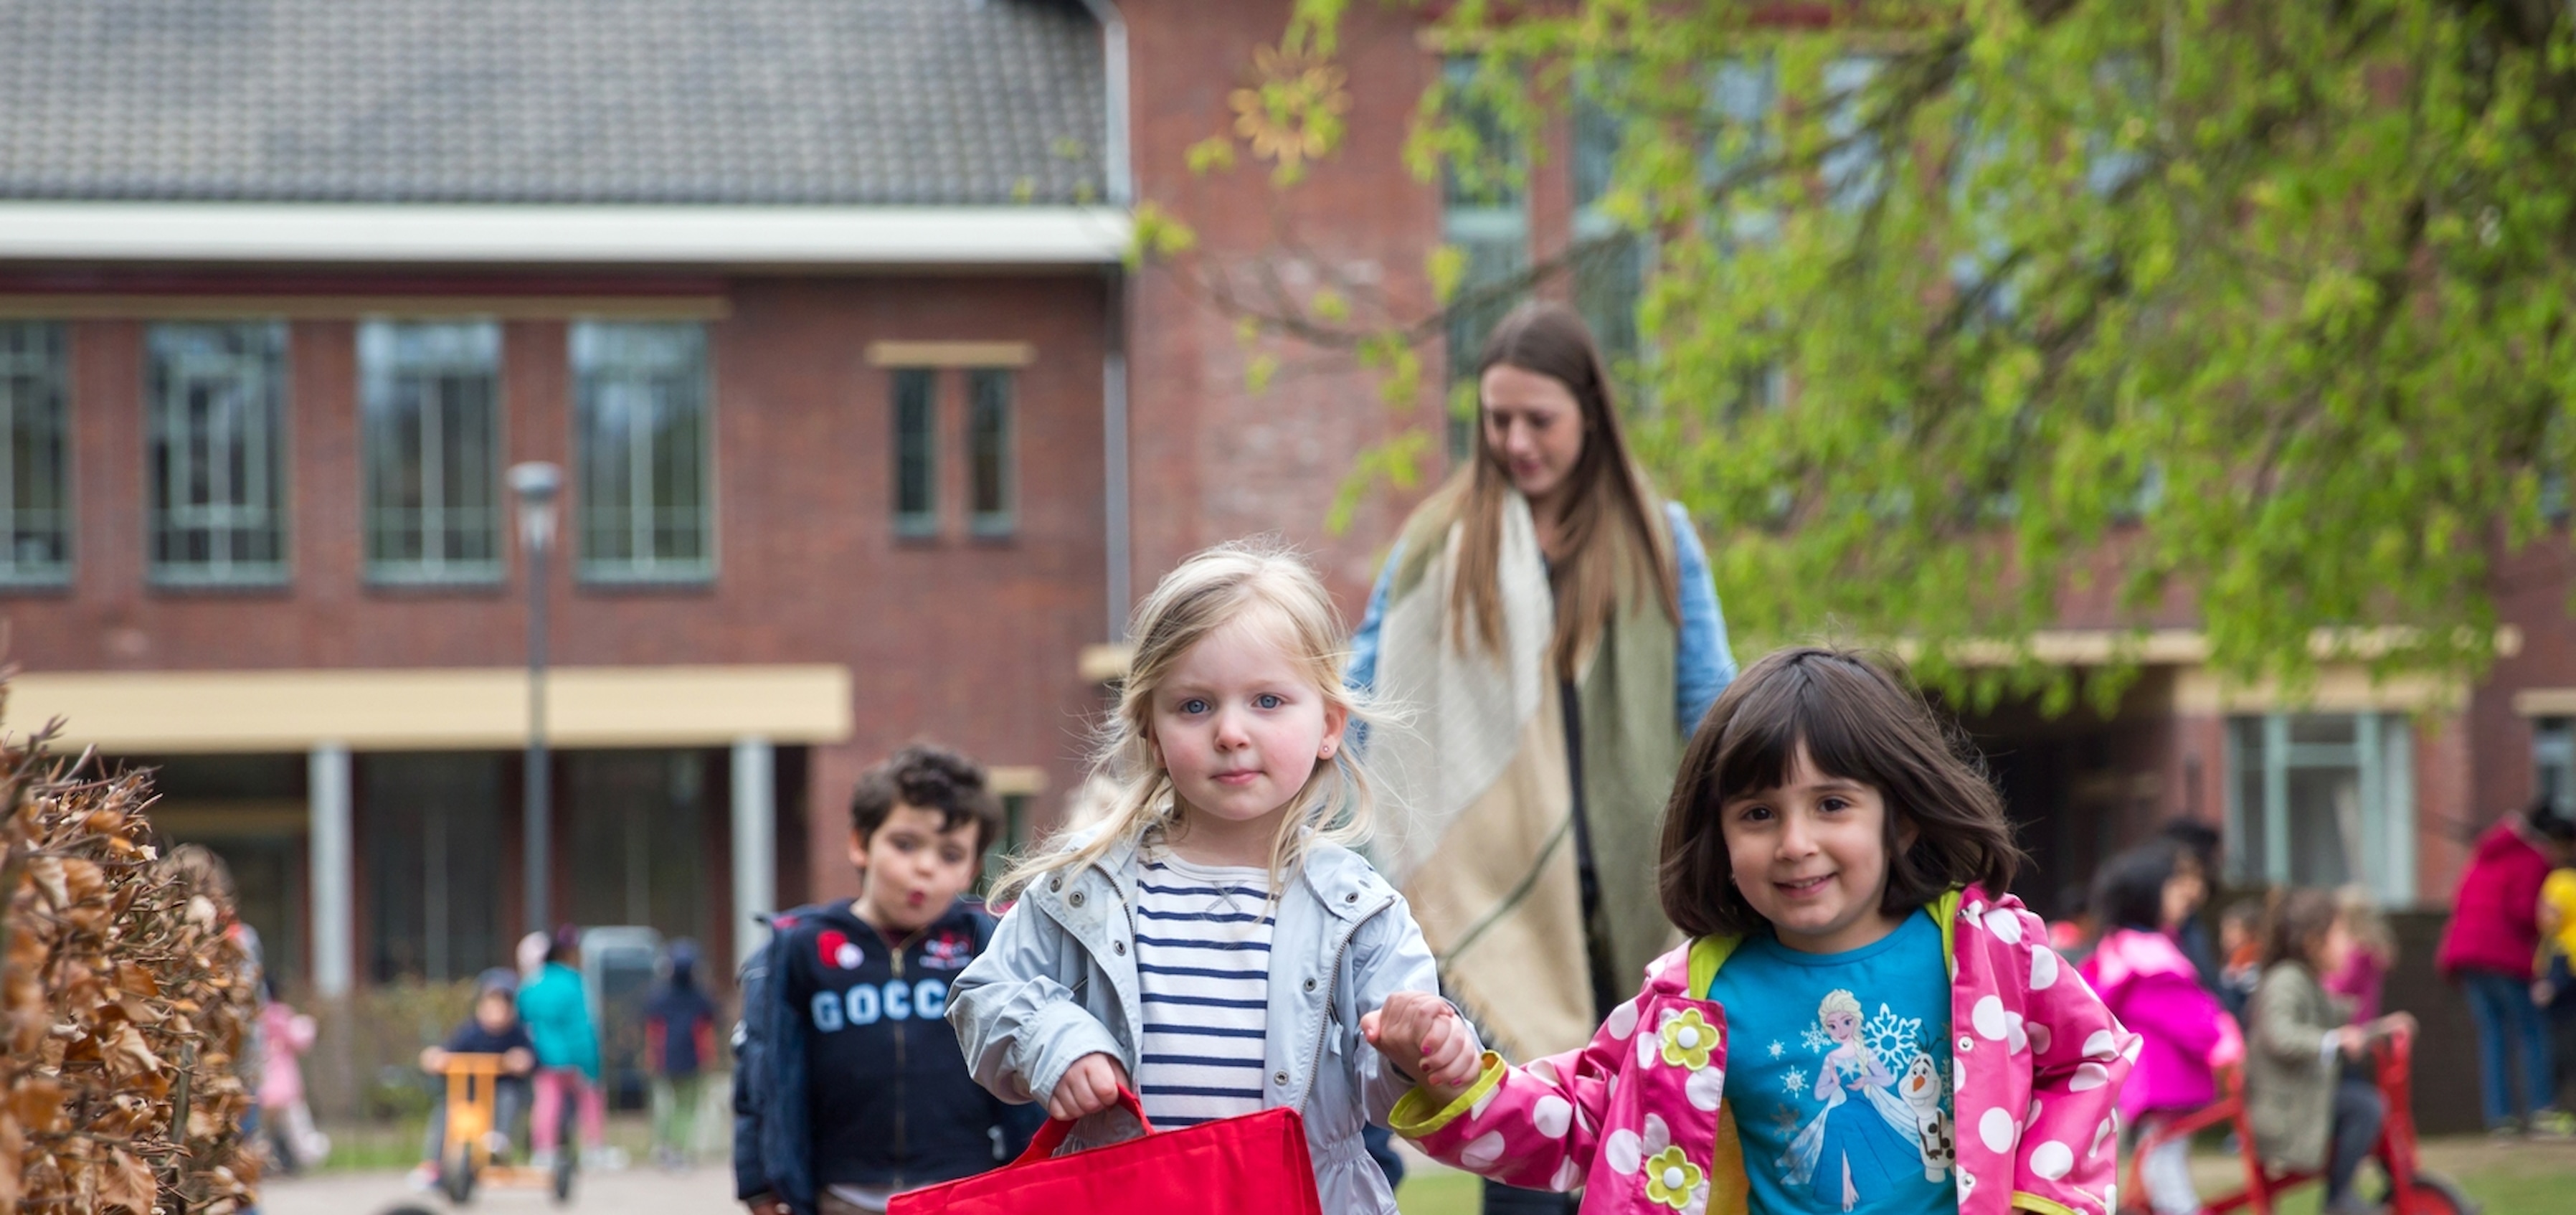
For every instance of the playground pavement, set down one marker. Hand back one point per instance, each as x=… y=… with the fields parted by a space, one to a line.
x=706 y=1190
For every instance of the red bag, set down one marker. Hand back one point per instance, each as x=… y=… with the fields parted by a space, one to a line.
x=1252 y=1165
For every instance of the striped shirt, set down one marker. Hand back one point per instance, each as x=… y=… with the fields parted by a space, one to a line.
x=1203 y=969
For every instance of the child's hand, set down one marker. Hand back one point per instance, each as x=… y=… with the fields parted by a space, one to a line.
x=1424 y=1037
x=433 y=1060
x=1088 y=1087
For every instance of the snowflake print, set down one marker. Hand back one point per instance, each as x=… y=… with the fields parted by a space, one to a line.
x=1794 y=1080
x=1776 y=1048
x=1891 y=1037
x=1816 y=1040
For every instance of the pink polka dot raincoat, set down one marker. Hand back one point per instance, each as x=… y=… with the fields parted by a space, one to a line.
x=1637 y=1118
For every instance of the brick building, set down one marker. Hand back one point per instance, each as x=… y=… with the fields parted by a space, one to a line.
x=868 y=436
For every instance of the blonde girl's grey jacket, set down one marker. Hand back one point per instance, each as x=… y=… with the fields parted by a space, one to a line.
x=1059 y=982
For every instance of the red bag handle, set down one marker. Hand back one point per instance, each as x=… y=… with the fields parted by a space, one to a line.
x=1051 y=1136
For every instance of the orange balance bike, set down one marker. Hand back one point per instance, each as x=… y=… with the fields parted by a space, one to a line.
x=466 y=1159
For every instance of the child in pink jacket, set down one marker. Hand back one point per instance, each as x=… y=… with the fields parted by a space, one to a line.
x=1857 y=1025
x=2154 y=990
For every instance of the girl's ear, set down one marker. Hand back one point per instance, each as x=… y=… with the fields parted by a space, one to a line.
x=1337 y=718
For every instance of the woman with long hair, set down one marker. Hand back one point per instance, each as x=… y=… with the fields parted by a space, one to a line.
x=1549 y=622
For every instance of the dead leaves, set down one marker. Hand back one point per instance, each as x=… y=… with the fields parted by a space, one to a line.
x=122 y=997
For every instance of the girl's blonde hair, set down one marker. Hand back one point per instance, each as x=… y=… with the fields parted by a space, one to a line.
x=1211 y=590
x=2367 y=924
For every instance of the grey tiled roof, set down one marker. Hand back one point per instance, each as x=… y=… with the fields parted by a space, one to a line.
x=853 y=102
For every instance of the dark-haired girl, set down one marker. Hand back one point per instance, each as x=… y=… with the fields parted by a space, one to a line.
x=2311 y=1110
x=2141 y=898
x=1860 y=1024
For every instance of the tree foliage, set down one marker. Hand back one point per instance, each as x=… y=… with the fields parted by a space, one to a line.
x=1959 y=312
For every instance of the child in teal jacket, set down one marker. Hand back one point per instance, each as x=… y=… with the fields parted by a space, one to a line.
x=558 y=1018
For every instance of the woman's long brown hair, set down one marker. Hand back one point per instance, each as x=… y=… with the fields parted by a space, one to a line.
x=1611 y=547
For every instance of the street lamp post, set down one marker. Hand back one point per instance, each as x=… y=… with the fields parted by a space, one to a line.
x=536 y=484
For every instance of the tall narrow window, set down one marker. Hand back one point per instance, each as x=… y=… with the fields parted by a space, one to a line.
x=35 y=500
x=916 y=452
x=991 y=494
x=216 y=453
x=1485 y=216
x=1610 y=261
x=640 y=390
x=430 y=394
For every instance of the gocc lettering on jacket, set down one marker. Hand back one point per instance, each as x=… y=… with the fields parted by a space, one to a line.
x=868 y=1003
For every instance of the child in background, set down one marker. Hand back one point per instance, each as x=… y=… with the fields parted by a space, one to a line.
x=2374 y=953
x=1834 y=851
x=847 y=1084
x=558 y=1018
x=492 y=1029
x=2555 y=988
x=1213 y=940
x=679 y=1041
x=2240 y=943
x=285 y=1035
x=2312 y=1101
x=2155 y=991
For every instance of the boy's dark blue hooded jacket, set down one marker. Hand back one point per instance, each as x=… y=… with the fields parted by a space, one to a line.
x=830 y=1002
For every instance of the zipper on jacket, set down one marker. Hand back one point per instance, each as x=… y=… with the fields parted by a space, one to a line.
x=902 y=1099
x=1332 y=987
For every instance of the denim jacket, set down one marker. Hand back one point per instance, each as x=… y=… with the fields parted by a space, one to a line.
x=1059 y=982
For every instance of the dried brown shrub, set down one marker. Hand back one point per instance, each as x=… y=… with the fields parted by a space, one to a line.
x=125 y=1003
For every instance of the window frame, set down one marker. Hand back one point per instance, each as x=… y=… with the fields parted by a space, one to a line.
x=50 y=370
x=2381 y=755
x=1003 y=520
x=644 y=568
x=432 y=567
x=267 y=460
x=914 y=522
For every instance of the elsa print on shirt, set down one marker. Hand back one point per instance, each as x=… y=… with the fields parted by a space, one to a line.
x=1868 y=1138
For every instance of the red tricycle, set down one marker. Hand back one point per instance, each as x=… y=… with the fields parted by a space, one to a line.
x=2411 y=1191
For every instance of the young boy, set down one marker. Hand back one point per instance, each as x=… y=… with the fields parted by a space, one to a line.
x=849 y=1082
x=493 y=1029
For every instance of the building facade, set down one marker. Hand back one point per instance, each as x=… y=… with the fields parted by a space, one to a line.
x=869 y=434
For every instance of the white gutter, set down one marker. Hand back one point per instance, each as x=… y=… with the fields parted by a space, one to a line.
x=563 y=235
x=1118 y=163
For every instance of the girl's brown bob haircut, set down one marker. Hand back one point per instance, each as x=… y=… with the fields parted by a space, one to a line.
x=1945 y=823
x=2299 y=927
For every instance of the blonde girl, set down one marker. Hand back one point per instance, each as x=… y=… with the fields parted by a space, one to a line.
x=1212 y=940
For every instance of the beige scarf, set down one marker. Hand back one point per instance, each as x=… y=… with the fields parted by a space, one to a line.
x=1480 y=831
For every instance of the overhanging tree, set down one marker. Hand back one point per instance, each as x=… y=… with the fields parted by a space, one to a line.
x=1956 y=308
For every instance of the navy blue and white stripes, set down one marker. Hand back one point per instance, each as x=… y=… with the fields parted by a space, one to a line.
x=1203 y=970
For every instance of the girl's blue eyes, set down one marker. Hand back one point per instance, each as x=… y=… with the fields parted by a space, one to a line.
x=1267 y=700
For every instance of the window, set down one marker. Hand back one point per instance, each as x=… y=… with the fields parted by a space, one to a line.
x=1488 y=221
x=1610 y=263
x=216 y=453
x=2323 y=800
x=430 y=395
x=988 y=447
x=2553 y=761
x=1853 y=172
x=35 y=502
x=916 y=452
x=640 y=391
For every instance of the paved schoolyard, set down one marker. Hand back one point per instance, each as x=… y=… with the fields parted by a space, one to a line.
x=707 y=1190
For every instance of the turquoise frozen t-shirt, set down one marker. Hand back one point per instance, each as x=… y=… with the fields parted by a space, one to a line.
x=1836 y=1069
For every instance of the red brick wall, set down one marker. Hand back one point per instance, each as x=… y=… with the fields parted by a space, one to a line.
x=1214 y=461
x=972 y=642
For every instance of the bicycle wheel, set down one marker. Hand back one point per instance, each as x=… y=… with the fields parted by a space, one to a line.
x=456 y=1175
x=2431 y=1195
